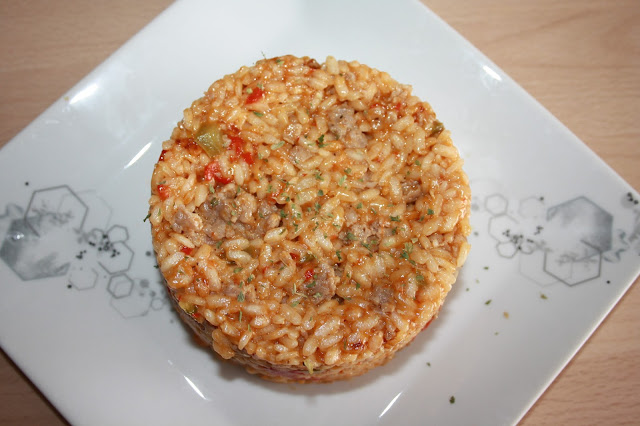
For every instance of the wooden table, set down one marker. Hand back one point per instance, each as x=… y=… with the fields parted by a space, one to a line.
x=579 y=58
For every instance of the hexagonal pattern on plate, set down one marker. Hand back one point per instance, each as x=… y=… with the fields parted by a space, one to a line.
x=572 y=271
x=118 y=233
x=496 y=204
x=135 y=305
x=115 y=258
x=578 y=229
x=83 y=278
x=532 y=267
x=501 y=227
x=120 y=286
x=61 y=206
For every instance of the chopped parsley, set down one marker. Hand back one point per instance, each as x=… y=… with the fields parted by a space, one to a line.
x=260 y=86
x=146 y=217
x=338 y=255
x=283 y=214
x=241 y=297
x=408 y=248
x=240 y=317
x=452 y=400
x=321 y=143
x=277 y=145
x=488 y=302
x=342 y=180
x=394 y=218
x=212 y=189
x=368 y=245
x=420 y=277
x=320 y=193
x=430 y=211
x=347 y=170
x=357 y=285
x=318 y=176
x=258 y=113
x=236 y=270
x=418 y=163
x=359 y=206
x=543 y=296
x=351 y=237
x=317 y=206
x=279 y=61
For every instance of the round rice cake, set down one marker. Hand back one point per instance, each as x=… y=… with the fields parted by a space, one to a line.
x=309 y=219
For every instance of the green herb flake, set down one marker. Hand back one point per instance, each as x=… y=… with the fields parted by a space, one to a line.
x=452 y=400
x=486 y=268
x=249 y=90
x=283 y=214
x=251 y=278
x=428 y=364
x=212 y=189
x=317 y=206
x=543 y=296
x=420 y=277
x=359 y=206
x=347 y=170
x=318 y=176
x=320 y=193
x=394 y=218
x=320 y=141
x=279 y=61
x=277 y=145
x=351 y=237
x=295 y=303
x=270 y=188
x=295 y=227
x=488 y=302
x=339 y=255
x=240 y=317
x=258 y=113
x=357 y=285
x=236 y=270
x=342 y=180
x=241 y=297
x=260 y=86
x=430 y=211
x=418 y=163
x=146 y=217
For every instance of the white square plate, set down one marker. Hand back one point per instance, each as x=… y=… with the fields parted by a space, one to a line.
x=555 y=244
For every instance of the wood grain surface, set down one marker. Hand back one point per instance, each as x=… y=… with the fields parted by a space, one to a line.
x=579 y=58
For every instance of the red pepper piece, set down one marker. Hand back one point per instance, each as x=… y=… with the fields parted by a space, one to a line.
x=213 y=171
x=256 y=95
x=164 y=191
x=308 y=276
x=186 y=250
